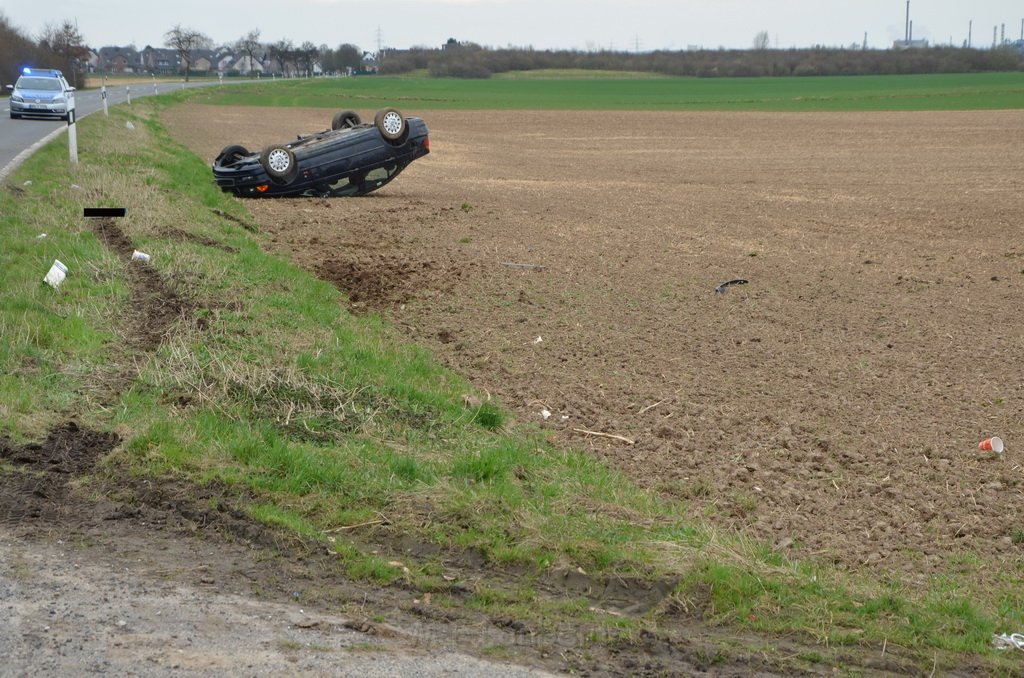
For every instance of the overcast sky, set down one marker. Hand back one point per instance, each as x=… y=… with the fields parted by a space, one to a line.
x=543 y=24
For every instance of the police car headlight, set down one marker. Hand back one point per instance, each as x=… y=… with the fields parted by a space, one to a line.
x=58 y=100
x=15 y=97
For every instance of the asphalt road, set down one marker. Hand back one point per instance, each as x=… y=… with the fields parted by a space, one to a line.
x=17 y=137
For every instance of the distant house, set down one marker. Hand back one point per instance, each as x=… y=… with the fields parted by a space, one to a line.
x=119 y=60
x=202 y=63
x=369 y=63
x=160 y=61
x=245 y=65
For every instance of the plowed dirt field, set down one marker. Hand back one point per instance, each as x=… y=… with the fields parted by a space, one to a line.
x=566 y=262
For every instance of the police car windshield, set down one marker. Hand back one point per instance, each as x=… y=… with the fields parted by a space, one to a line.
x=47 y=84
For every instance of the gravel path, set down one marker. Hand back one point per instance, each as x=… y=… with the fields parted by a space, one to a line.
x=73 y=610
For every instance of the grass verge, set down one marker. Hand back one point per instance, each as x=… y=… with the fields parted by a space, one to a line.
x=333 y=427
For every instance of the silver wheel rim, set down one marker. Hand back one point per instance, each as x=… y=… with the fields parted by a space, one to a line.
x=392 y=123
x=278 y=160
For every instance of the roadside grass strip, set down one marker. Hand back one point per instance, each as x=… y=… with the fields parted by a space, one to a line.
x=328 y=423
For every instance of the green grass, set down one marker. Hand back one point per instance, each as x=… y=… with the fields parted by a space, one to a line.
x=326 y=421
x=549 y=90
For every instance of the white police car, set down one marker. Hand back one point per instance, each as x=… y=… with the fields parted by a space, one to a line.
x=41 y=91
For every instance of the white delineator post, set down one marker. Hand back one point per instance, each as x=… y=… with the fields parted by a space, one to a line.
x=155 y=92
x=72 y=132
x=128 y=91
x=103 y=95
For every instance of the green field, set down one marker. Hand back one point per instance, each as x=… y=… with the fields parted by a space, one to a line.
x=560 y=90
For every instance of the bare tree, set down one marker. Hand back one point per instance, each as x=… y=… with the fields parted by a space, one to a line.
x=283 y=51
x=185 y=41
x=307 y=56
x=762 y=41
x=348 y=56
x=64 y=46
x=250 y=44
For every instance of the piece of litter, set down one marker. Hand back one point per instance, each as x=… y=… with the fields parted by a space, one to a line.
x=56 y=274
x=565 y=417
x=40 y=236
x=76 y=187
x=140 y=256
x=729 y=283
x=537 y=340
x=129 y=125
x=27 y=183
x=545 y=414
x=1006 y=641
x=532 y=267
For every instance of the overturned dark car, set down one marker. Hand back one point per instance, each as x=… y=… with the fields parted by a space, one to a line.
x=351 y=158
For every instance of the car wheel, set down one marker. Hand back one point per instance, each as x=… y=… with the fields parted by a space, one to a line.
x=391 y=124
x=345 y=119
x=231 y=155
x=279 y=162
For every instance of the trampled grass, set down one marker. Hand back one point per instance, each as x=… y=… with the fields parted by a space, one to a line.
x=572 y=91
x=329 y=421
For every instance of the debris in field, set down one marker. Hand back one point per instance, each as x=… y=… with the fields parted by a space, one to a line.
x=76 y=187
x=1006 y=641
x=532 y=267
x=140 y=256
x=56 y=274
x=605 y=435
x=129 y=125
x=41 y=236
x=537 y=341
x=729 y=283
x=545 y=414
x=993 y=444
x=27 y=183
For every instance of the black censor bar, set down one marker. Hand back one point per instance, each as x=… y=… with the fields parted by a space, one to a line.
x=100 y=212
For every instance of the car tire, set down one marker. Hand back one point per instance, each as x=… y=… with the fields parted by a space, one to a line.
x=391 y=124
x=345 y=119
x=232 y=154
x=280 y=164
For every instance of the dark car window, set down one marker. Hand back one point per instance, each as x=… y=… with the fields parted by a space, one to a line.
x=47 y=84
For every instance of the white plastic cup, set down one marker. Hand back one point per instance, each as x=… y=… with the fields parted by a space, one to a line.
x=140 y=256
x=56 y=274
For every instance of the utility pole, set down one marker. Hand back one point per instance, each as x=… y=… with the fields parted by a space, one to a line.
x=380 y=39
x=970 y=29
